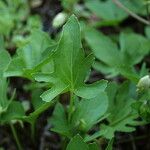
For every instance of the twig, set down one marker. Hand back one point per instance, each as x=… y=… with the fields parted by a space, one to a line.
x=147 y=10
x=16 y=137
x=119 y=4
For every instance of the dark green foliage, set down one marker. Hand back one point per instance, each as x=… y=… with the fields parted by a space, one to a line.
x=93 y=108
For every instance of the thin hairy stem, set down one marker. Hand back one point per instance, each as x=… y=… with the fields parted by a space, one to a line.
x=119 y=4
x=16 y=137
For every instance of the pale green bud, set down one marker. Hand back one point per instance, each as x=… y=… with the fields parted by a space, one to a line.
x=36 y=3
x=26 y=105
x=144 y=83
x=59 y=19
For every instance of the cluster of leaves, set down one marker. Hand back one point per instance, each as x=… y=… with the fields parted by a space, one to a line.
x=16 y=21
x=56 y=67
x=68 y=76
x=103 y=13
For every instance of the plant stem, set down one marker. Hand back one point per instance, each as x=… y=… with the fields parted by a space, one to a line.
x=33 y=130
x=16 y=137
x=147 y=9
x=119 y=4
x=64 y=143
x=71 y=105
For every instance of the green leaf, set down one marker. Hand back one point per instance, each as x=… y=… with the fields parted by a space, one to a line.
x=36 y=100
x=122 y=117
x=4 y=103
x=103 y=47
x=133 y=47
x=6 y=19
x=122 y=99
x=57 y=89
x=95 y=107
x=60 y=122
x=70 y=74
x=147 y=31
x=2 y=45
x=114 y=59
x=135 y=6
x=128 y=72
x=94 y=146
x=32 y=52
x=126 y=124
x=15 y=111
x=80 y=120
x=4 y=60
x=105 y=69
x=106 y=10
x=31 y=57
x=90 y=90
x=77 y=142
x=68 y=4
x=110 y=14
x=12 y=15
x=13 y=69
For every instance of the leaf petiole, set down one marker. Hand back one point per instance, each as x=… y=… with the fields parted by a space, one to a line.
x=71 y=105
x=16 y=137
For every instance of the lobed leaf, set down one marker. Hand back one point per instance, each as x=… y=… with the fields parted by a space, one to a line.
x=71 y=66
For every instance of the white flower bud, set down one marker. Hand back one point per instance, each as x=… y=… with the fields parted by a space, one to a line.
x=144 y=83
x=26 y=105
x=59 y=20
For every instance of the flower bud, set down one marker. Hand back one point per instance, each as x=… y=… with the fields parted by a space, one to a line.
x=26 y=105
x=144 y=83
x=59 y=20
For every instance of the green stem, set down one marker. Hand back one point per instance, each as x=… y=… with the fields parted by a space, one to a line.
x=16 y=137
x=147 y=9
x=71 y=105
x=119 y=4
x=64 y=143
x=33 y=130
